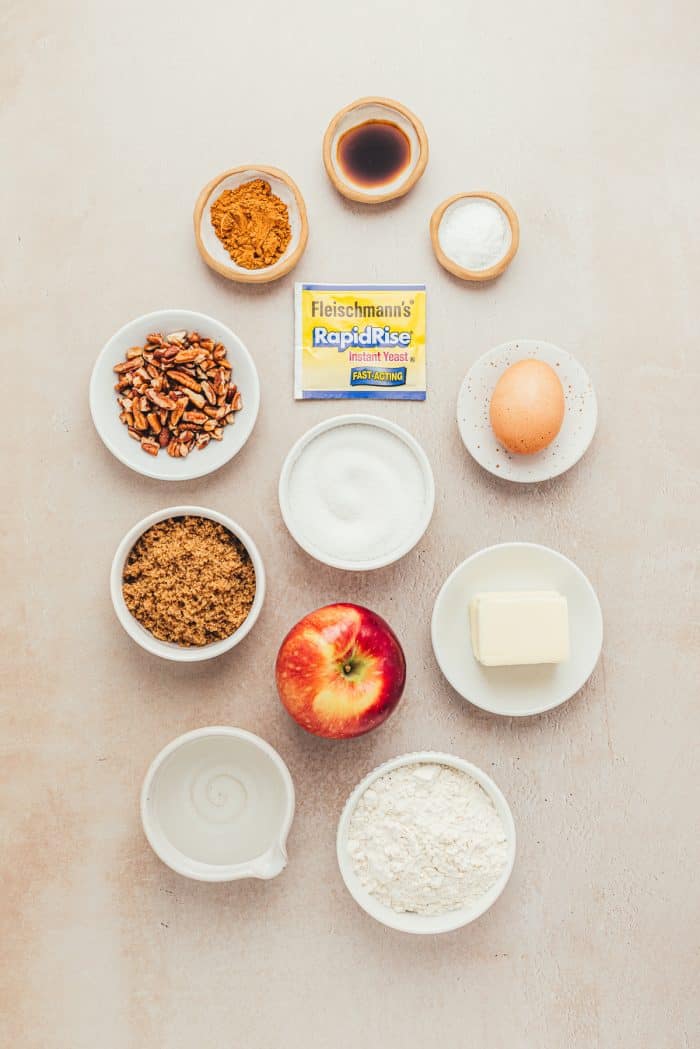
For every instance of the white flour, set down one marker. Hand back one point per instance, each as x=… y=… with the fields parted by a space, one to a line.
x=427 y=839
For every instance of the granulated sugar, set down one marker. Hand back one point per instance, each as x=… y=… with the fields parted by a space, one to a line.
x=357 y=492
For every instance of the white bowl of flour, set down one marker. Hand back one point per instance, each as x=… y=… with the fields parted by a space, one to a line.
x=357 y=492
x=426 y=843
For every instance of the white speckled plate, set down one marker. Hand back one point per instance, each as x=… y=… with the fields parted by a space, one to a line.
x=573 y=439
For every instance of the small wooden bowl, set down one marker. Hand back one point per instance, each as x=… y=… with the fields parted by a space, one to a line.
x=359 y=112
x=212 y=250
x=450 y=264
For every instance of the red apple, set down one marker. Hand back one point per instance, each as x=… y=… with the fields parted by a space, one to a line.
x=340 y=671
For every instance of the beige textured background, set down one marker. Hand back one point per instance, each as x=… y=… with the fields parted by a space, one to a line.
x=585 y=117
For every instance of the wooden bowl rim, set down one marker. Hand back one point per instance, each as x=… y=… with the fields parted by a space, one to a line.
x=268 y=273
x=449 y=264
x=359 y=195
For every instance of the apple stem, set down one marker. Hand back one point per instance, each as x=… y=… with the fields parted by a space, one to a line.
x=347 y=668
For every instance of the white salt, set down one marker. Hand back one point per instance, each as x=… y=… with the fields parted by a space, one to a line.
x=475 y=233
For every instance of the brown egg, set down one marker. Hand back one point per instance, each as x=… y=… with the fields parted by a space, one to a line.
x=527 y=407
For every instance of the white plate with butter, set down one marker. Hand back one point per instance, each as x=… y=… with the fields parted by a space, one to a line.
x=520 y=626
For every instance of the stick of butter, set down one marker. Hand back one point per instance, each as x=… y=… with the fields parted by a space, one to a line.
x=519 y=627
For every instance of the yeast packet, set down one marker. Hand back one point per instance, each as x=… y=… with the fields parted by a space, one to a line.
x=359 y=341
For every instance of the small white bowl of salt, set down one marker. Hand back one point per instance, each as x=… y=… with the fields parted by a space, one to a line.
x=475 y=235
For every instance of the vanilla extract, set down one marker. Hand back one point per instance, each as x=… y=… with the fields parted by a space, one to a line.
x=374 y=153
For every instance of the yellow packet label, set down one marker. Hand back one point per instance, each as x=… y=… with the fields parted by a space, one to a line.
x=359 y=341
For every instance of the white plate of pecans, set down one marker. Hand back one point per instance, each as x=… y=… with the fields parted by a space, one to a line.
x=174 y=395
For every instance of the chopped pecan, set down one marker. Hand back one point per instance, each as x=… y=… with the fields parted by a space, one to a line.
x=197 y=400
x=140 y=422
x=175 y=392
x=154 y=422
x=160 y=401
x=196 y=418
x=177 y=412
x=128 y=365
x=185 y=356
x=181 y=377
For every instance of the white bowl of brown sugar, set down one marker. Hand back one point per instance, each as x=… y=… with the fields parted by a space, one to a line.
x=187 y=583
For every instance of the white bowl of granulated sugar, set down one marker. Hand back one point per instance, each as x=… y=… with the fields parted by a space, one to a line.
x=426 y=843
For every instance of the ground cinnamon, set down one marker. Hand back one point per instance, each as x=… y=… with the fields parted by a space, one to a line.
x=252 y=224
x=189 y=581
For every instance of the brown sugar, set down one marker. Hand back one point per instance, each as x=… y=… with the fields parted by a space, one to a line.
x=189 y=581
x=252 y=224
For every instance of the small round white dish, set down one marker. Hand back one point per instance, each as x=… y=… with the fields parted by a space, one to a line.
x=213 y=251
x=166 y=649
x=580 y=416
x=105 y=410
x=523 y=690
x=217 y=805
x=425 y=924
x=343 y=464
